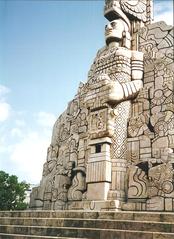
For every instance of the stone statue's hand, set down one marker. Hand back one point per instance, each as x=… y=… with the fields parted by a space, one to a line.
x=116 y=92
x=131 y=89
x=138 y=84
x=123 y=91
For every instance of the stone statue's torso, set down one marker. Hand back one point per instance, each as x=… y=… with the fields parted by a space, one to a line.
x=115 y=62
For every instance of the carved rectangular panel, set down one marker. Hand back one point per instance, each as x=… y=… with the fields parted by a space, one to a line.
x=99 y=171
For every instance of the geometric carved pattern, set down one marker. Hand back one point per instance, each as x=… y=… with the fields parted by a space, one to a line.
x=119 y=139
x=156 y=41
x=107 y=107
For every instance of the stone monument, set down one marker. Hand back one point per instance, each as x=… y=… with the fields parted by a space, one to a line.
x=112 y=148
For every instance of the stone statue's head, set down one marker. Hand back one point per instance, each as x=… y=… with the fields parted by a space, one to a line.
x=116 y=31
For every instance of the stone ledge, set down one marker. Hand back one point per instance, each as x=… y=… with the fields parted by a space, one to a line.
x=19 y=236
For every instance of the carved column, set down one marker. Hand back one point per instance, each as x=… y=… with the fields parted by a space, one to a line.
x=99 y=169
x=118 y=152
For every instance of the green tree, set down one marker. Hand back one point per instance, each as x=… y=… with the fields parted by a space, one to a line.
x=12 y=192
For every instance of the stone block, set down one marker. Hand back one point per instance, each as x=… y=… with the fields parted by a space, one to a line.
x=136 y=235
x=163 y=236
x=155 y=204
x=145 y=156
x=145 y=142
x=168 y=204
x=98 y=171
x=112 y=234
x=98 y=191
x=145 y=151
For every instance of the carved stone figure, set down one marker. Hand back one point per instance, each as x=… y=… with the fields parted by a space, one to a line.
x=112 y=148
x=121 y=70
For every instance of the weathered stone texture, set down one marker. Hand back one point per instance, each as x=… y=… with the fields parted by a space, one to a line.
x=112 y=148
x=91 y=225
x=152 y=122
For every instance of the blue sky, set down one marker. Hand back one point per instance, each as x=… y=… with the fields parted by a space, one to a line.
x=46 y=49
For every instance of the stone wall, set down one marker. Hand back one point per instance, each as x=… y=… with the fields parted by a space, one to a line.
x=151 y=126
x=112 y=148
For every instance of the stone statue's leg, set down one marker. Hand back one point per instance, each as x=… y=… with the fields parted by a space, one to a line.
x=118 y=152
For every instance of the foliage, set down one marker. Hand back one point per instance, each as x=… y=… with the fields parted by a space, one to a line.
x=12 y=192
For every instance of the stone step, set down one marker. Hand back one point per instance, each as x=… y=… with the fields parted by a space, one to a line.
x=137 y=216
x=91 y=223
x=19 y=236
x=58 y=232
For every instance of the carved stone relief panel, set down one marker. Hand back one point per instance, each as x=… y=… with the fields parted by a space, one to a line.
x=151 y=124
x=116 y=133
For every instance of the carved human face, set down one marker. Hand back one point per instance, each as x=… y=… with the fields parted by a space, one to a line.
x=114 y=31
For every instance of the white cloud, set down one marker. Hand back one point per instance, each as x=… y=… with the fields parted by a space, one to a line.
x=23 y=145
x=3 y=90
x=2 y=146
x=163 y=11
x=20 y=123
x=16 y=132
x=28 y=156
x=166 y=17
x=29 y=153
x=45 y=119
x=5 y=108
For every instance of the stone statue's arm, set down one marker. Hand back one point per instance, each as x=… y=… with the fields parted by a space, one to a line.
x=137 y=67
x=129 y=90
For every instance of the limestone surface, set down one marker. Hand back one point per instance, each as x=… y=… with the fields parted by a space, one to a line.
x=112 y=148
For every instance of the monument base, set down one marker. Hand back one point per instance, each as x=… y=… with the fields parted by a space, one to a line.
x=157 y=203
x=109 y=205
